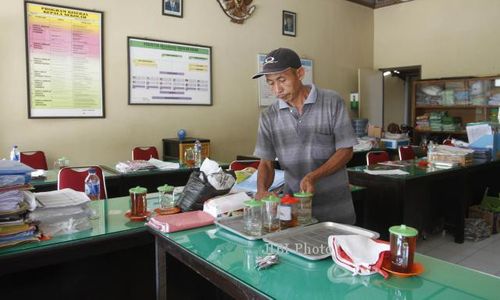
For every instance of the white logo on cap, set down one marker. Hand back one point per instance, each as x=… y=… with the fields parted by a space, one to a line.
x=270 y=60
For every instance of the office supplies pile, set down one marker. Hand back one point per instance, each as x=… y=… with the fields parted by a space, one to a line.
x=15 y=202
x=62 y=212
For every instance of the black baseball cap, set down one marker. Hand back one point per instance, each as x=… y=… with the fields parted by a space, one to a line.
x=279 y=60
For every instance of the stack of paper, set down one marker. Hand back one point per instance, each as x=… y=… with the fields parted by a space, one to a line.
x=62 y=212
x=14 y=203
x=163 y=165
x=250 y=184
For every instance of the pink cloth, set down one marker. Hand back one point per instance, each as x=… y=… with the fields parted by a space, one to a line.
x=182 y=221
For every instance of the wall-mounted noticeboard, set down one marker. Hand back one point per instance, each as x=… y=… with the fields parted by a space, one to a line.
x=64 y=61
x=163 y=72
x=266 y=96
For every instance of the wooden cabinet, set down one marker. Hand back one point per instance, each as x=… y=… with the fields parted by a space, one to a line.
x=444 y=107
x=173 y=148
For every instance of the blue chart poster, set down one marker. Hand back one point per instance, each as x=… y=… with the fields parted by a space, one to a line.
x=169 y=73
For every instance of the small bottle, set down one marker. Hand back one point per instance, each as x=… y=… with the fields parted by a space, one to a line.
x=14 y=154
x=92 y=185
x=197 y=154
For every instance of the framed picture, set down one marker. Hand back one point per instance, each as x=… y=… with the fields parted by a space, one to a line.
x=172 y=8
x=64 y=56
x=162 y=72
x=289 y=23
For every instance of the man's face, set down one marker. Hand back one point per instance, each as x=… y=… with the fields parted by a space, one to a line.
x=286 y=85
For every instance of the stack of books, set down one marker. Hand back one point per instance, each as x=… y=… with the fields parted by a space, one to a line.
x=15 y=202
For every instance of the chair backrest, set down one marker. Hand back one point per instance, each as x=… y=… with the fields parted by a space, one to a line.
x=74 y=178
x=34 y=159
x=374 y=157
x=237 y=165
x=144 y=153
x=406 y=152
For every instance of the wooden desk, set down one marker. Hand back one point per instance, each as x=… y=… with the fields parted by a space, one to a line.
x=113 y=260
x=210 y=262
x=415 y=199
x=118 y=185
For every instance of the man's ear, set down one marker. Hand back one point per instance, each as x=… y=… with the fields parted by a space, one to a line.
x=301 y=73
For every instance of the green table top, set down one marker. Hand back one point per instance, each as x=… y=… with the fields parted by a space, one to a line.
x=298 y=278
x=110 y=219
x=414 y=169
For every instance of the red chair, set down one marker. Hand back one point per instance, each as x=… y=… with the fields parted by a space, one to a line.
x=374 y=157
x=74 y=178
x=34 y=159
x=406 y=152
x=237 y=165
x=144 y=153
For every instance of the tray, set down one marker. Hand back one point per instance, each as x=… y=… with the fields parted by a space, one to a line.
x=311 y=242
x=235 y=225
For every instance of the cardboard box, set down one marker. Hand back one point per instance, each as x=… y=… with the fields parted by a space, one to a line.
x=394 y=144
x=492 y=218
x=374 y=131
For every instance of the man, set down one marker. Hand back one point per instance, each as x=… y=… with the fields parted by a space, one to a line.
x=310 y=132
x=172 y=5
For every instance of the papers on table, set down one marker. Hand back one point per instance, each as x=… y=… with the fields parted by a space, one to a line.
x=224 y=204
x=61 y=198
x=62 y=212
x=163 y=165
x=250 y=184
x=386 y=172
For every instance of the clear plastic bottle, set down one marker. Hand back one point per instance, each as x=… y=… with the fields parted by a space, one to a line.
x=197 y=153
x=92 y=185
x=14 y=154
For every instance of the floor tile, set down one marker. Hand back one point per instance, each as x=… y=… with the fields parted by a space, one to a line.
x=483 y=261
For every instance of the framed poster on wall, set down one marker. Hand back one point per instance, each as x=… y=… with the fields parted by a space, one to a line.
x=64 y=56
x=163 y=72
x=266 y=96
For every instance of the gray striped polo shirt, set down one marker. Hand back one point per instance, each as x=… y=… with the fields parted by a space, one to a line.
x=302 y=143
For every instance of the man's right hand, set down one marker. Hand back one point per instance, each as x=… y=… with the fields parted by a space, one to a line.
x=262 y=194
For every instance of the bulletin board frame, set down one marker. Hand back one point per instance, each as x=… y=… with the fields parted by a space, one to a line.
x=168 y=73
x=64 y=61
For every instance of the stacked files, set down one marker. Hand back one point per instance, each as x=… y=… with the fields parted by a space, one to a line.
x=62 y=212
x=250 y=184
x=15 y=201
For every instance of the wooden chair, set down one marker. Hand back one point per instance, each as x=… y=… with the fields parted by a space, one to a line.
x=74 y=178
x=144 y=153
x=406 y=152
x=34 y=159
x=374 y=157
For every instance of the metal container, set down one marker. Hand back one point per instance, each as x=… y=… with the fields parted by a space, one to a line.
x=311 y=242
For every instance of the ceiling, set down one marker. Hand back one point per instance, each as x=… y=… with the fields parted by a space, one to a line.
x=378 y=3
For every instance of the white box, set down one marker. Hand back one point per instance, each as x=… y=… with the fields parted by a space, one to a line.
x=394 y=144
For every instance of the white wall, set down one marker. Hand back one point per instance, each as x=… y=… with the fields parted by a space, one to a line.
x=449 y=38
x=336 y=34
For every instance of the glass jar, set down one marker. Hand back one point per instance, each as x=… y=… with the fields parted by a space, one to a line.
x=138 y=202
x=189 y=157
x=304 y=207
x=403 y=244
x=288 y=212
x=252 y=217
x=166 y=196
x=270 y=216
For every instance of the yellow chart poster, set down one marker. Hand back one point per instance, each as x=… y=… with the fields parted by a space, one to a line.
x=65 y=68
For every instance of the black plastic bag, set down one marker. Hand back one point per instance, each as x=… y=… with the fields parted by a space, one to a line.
x=197 y=191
